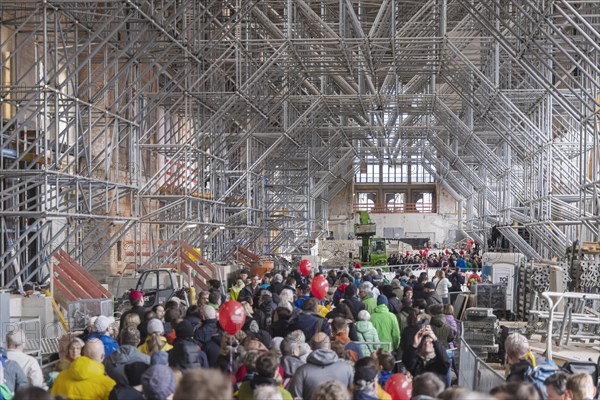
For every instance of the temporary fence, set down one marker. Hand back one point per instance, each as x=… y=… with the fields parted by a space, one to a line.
x=474 y=373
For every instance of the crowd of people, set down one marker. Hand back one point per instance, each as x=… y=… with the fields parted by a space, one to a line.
x=370 y=338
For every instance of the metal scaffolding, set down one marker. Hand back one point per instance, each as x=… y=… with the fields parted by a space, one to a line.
x=132 y=128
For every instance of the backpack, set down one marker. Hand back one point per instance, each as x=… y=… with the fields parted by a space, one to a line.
x=537 y=376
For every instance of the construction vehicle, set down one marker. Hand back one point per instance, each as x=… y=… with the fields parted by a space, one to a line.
x=159 y=286
x=373 y=250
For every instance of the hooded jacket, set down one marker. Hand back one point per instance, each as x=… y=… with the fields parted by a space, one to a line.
x=115 y=363
x=386 y=325
x=366 y=333
x=370 y=303
x=290 y=364
x=442 y=330
x=205 y=332
x=321 y=366
x=187 y=354
x=84 y=380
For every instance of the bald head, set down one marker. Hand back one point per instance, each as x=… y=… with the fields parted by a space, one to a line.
x=320 y=341
x=94 y=349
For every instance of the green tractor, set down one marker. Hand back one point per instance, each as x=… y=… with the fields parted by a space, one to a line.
x=373 y=250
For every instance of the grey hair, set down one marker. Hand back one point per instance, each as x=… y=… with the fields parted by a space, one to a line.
x=288 y=346
x=516 y=345
x=395 y=283
x=15 y=339
x=363 y=315
x=267 y=392
x=278 y=278
x=365 y=287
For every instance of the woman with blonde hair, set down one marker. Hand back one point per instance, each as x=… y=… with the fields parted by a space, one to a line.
x=155 y=340
x=442 y=286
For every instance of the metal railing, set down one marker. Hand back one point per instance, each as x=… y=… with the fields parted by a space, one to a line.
x=473 y=372
x=373 y=208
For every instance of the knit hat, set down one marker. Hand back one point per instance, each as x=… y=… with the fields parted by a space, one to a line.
x=366 y=373
x=102 y=323
x=435 y=309
x=155 y=325
x=159 y=358
x=184 y=329
x=406 y=302
x=135 y=295
x=382 y=299
x=158 y=383
x=134 y=372
x=430 y=285
x=209 y=312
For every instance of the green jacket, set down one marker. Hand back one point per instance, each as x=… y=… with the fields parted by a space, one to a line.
x=370 y=303
x=366 y=332
x=386 y=325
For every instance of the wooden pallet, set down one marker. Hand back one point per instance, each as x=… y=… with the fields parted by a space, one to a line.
x=591 y=247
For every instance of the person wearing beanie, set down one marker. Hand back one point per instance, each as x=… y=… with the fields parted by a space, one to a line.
x=156 y=340
x=394 y=305
x=440 y=326
x=386 y=323
x=159 y=358
x=158 y=383
x=365 y=383
x=186 y=353
x=404 y=312
x=101 y=327
x=431 y=296
x=352 y=301
x=366 y=333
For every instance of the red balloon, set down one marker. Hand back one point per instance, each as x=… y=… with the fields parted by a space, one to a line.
x=447 y=251
x=426 y=249
x=232 y=316
x=305 y=267
x=421 y=253
x=407 y=253
x=399 y=387
x=462 y=252
x=319 y=287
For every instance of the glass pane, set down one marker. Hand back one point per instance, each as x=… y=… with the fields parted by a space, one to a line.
x=150 y=282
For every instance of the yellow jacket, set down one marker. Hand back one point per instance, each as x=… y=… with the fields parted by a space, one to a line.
x=83 y=380
x=144 y=348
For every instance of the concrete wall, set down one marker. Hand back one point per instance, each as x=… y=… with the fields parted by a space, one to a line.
x=434 y=226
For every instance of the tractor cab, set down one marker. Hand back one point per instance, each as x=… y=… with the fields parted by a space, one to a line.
x=158 y=286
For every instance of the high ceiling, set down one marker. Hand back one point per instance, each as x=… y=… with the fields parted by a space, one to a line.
x=156 y=121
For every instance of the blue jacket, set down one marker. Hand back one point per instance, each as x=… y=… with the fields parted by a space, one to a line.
x=307 y=322
x=109 y=343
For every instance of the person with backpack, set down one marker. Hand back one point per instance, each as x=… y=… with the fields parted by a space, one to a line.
x=457 y=279
x=526 y=366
